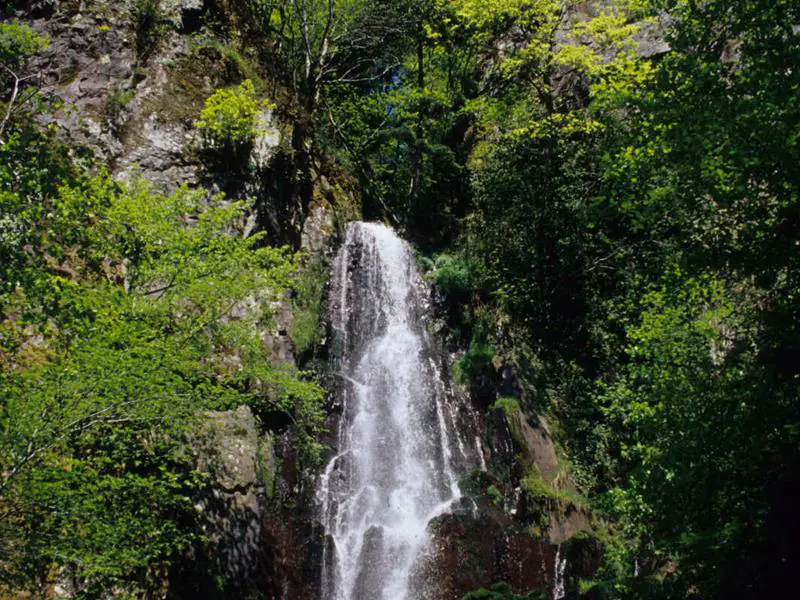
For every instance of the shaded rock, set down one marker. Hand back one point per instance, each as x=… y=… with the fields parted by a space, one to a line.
x=468 y=553
x=566 y=523
x=534 y=443
x=295 y=548
x=277 y=339
x=37 y=9
x=231 y=512
x=185 y=15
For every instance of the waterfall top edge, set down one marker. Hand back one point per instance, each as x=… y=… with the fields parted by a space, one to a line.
x=374 y=226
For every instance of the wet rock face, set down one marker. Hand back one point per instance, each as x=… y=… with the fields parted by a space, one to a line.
x=261 y=543
x=468 y=553
x=294 y=550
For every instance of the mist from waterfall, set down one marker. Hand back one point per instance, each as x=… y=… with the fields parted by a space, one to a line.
x=399 y=450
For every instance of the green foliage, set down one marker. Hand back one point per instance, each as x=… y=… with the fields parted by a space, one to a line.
x=475 y=363
x=18 y=89
x=622 y=227
x=125 y=315
x=148 y=24
x=502 y=591
x=495 y=495
x=455 y=274
x=17 y=42
x=308 y=306
x=229 y=123
x=315 y=35
x=509 y=406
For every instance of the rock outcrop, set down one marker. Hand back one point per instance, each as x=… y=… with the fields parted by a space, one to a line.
x=242 y=467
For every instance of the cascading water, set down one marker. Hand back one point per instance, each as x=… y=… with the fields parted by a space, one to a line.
x=399 y=450
x=560 y=567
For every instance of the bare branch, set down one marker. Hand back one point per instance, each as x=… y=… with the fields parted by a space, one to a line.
x=10 y=107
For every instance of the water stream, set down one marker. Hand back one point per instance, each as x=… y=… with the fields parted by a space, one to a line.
x=399 y=453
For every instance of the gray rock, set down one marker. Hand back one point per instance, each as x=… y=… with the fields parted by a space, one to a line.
x=277 y=340
x=239 y=463
x=157 y=142
x=117 y=107
x=88 y=62
x=650 y=38
x=181 y=13
x=318 y=231
x=268 y=138
x=231 y=449
x=159 y=155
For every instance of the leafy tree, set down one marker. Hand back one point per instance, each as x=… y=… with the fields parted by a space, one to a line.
x=18 y=42
x=703 y=410
x=126 y=314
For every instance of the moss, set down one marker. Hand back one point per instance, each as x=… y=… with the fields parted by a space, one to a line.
x=234 y=62
x=495 y=495
x=454 y=274
x=551 y=493
x=514 y=418
x=306 y=330
x=475 y=363
x=509 y=405
x=117 y=99
x=266 y=464
x=182 y=98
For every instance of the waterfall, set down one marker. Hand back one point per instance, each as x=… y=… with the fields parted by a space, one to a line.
x=399 y=453
x=560 y=567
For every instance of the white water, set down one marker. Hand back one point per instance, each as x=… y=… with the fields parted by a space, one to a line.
x=399 y=451
x=560 y=567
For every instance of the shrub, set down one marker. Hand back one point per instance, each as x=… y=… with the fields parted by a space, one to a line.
x=308 y=306
x=18 y=41
x=454 y=274
x=475 y=363
x=228 y=123
x=508 y=404
x=148 y=24
x=502 y=591
x=495 y=495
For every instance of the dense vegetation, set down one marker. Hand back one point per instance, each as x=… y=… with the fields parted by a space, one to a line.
x=620 y=224
x=126 y=314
